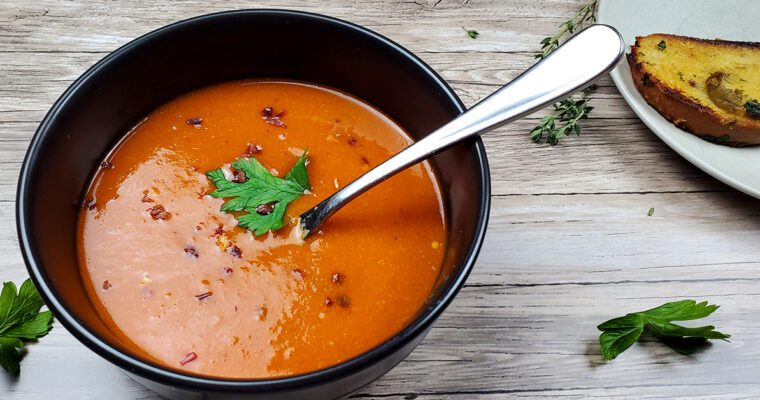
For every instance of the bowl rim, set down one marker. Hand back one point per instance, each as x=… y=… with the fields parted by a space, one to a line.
x=156 y=372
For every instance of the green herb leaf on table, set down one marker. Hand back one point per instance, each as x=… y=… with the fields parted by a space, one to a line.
x=263 y=197
x=20 y=318
x=568 y=112
x=584 y=16
x=650 y=212
x=618 y=334
x=473 y=34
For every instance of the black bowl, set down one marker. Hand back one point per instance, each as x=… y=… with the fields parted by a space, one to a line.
x=96 y=111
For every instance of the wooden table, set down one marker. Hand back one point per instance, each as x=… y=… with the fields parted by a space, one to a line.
x=569 y=243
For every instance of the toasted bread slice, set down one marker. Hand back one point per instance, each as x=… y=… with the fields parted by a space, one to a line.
x=710 y=88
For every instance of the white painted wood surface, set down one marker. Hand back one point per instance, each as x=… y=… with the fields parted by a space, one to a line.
x=569 y=244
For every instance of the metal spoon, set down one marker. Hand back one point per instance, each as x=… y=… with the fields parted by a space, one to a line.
x=571 y=67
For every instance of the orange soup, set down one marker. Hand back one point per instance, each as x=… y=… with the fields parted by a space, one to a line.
x=179 y=281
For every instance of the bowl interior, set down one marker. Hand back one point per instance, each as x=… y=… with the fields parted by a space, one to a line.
x=111 y=97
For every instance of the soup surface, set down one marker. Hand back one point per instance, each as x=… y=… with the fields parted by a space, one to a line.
x=177 y=280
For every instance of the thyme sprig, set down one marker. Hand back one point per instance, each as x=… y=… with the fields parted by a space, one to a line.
x=566 y=120
x=568 y=112
x=584 y=16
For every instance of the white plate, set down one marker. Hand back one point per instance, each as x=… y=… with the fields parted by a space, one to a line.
x=725 y=19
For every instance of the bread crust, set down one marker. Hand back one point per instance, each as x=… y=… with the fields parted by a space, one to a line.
x=687 y=114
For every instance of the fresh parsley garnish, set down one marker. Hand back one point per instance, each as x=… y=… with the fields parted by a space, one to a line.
x=620 y=333
x=661 y=46
x=650 y=212
x=261 y=197
x=20 y=320
x=753 y=108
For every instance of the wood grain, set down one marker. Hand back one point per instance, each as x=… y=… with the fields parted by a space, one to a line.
x=569 y=243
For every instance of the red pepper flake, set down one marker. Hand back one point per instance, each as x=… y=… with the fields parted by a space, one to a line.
x=195 y=122
x=265 y=209
x=344 y=301
x=89 y=204
x=204 y=295
x=298 y=273
x=365 y=160
x=202 y=193
x=269 y=116
x=106 y=165
x=692 y=83
x=190 y=357
x=228 y=271
x=159 y=212
x=352 y=141
x=219 y=231
x=106 y=284
x=328 y=302
x=236 y=252
x=239 y=176
x=252 y=149
x=338 y=278
x=190 y=251
x=146 y=198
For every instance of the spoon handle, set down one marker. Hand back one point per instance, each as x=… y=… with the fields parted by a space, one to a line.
x=572 y=66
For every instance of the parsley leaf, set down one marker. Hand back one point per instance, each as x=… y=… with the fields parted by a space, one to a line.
x=262 y=197
x=20 y=318
x=618 y=334
x=10 y=358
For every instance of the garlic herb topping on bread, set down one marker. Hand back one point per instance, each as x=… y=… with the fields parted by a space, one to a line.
x=710 y=88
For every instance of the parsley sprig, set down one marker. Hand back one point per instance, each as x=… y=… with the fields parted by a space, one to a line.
x=620 y=333
x=262 y=198
x=20 y=320
x=568 y=112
